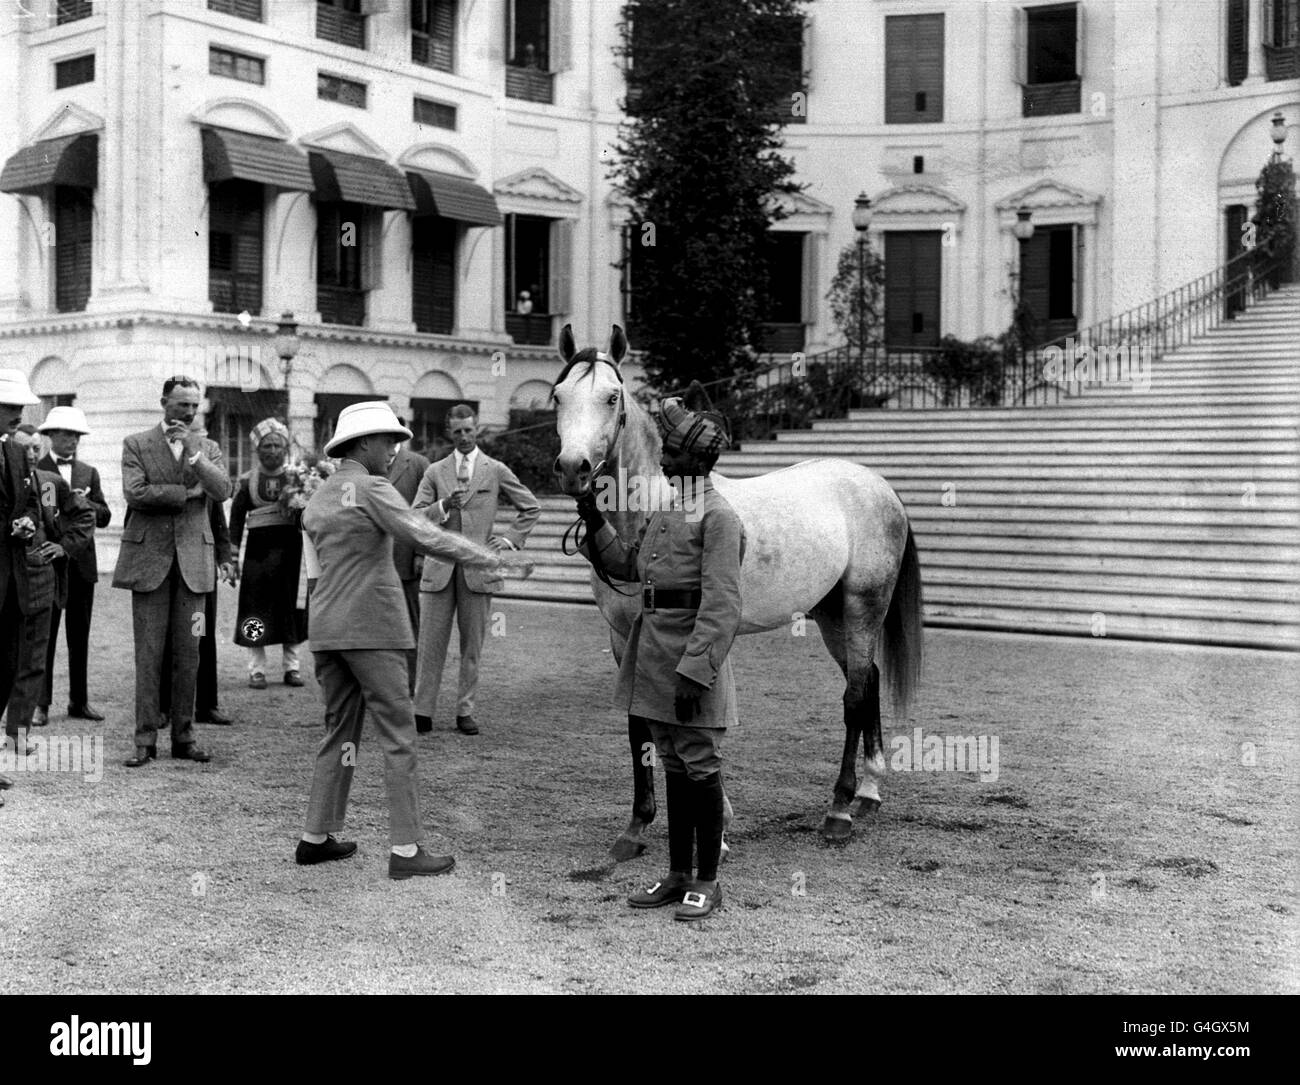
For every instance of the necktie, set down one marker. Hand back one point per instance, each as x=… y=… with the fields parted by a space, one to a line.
x=462 y=484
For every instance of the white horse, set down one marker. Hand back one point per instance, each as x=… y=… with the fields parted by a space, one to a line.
x=824 y=538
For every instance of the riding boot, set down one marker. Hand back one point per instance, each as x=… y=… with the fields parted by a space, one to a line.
x=681 y=822
x=706 y=798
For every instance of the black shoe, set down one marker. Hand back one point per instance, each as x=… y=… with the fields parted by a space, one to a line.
x=143 y=755
x=40 y=716
x=698 y=905
x=423 y=725
x=213 y=717
x=466 y=725
x=309 y=853
x=293 y=678
x=83 y=711
x=420 y=863
x=661 y=893
x=190 y=752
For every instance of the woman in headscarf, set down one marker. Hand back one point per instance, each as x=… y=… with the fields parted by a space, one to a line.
x=272 y=609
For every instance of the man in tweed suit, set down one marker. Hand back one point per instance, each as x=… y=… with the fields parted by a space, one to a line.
x=460 y=493
x=168 y=474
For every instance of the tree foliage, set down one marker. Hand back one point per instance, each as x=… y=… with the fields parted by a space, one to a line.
x=1275 y=213
x=699 y=161
x=857 y=295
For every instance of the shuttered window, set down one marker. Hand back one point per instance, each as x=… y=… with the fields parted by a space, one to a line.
x=1048 y=44
x=341 y=239
x=913 y=69
x=331 y=88
x=912 y=269
x=436 y=114
x=784 y=35
x=433 y=33
x=232 y=65
x=73 y=218
x=235 y=229
x=529 y=270
x=70 y=11
x=433 y=274
x=1047 y=280
x=1238 y=41
x=341 y=21
x=243 y=9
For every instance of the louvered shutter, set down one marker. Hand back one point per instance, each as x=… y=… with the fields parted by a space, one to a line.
x=561 y=35
x=912 y=288
x=927 y=68
x=900 y=41
x=72 y=248
x=248 y=249
x=1238 y=42
x=561 y=259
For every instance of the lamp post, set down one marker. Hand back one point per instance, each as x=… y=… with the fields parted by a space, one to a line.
x=286 y=343
x=1023 y=229
x=1278 y=135
x=861 y=220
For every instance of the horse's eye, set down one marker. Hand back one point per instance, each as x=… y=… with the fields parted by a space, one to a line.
x=613 y=399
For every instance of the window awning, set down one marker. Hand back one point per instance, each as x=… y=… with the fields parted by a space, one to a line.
x=68 y=160
x=357 y=179
x=453 y=198
x=229 y=155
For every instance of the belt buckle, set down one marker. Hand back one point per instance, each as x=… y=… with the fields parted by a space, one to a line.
x=648 y=597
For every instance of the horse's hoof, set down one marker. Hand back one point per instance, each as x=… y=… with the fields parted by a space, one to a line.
x=626 y=848
x=837 y=830
x=726 y=850
x=865 y=805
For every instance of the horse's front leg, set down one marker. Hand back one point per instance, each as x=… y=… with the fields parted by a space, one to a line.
x=838 y=825
x=631 y=842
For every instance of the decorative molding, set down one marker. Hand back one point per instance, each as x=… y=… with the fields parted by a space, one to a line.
x=439 y=158
x=243 y=115
x=69 y=119
x=346 y=138
x=916 y=200
x=1044 y=194
x=538 y=184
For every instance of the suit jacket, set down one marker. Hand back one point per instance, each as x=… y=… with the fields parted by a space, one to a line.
x=351 y=522
x=162 y=521
x=33 y=586
x=68 y=520
x=405 y=475
x=222 y=549
x=85 y=565
x=490 y=479
x=674 y=552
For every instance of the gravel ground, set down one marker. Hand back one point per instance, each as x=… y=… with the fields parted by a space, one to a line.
x=1141 y=835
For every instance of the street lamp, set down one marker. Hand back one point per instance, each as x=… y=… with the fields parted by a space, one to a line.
x=286 y=343
x=1023 y=230
x=1278 y=134
x=861 y=220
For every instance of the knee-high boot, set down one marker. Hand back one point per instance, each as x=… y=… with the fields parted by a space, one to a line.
x=681 y=822
x=707 y=801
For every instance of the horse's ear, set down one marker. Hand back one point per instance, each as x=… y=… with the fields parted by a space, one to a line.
x=696 y=398
x=568 y=348
x=617 y=345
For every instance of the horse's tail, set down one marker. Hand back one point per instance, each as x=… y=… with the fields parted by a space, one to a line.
x=901 y=637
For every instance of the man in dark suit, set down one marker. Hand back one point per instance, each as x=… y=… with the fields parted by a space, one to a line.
x=65 y=426
x=65 y=530
x=26 y=582
x=169 y=473
x=405 y=475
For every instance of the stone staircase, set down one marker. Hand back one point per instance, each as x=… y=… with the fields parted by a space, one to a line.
x=1171 y=513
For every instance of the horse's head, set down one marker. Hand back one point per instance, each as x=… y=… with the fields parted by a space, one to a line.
x=590 y=408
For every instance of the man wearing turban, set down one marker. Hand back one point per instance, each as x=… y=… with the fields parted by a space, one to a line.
x=272 y=603
x=675 y=673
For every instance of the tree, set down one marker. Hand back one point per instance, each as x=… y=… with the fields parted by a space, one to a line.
x=1275 y=216
x=857 y=295
x=709 y=82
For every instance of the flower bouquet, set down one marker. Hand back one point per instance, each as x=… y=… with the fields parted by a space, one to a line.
x=302 y=479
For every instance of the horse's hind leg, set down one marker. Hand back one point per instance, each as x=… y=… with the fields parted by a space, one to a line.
x=867 y=795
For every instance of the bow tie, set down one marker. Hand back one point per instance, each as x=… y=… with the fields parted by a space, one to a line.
x=60 y=462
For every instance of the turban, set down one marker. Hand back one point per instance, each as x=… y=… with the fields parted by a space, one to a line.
x=266 y=428
x=703 y=432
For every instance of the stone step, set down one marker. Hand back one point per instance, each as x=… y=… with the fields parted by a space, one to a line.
x=1058 y=433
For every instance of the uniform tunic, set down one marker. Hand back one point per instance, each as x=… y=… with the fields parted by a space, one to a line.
x=268 y=593
x=680 y=553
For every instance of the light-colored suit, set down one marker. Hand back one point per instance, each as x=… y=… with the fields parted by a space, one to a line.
x=405 y=474
x=447 y=589
x=359 y=635
x=167 y=561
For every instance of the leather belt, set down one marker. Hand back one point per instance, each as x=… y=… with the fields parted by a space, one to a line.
x=653 y=598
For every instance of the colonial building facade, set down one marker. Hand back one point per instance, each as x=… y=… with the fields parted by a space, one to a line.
x=424 y=185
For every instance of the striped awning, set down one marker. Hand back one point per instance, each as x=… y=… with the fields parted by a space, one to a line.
x=358 y=179
x=68 y=160
x=230 y=155
x=453 y=198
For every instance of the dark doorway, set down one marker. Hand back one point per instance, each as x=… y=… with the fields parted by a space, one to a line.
x=1047 y=281
x=913 y=262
